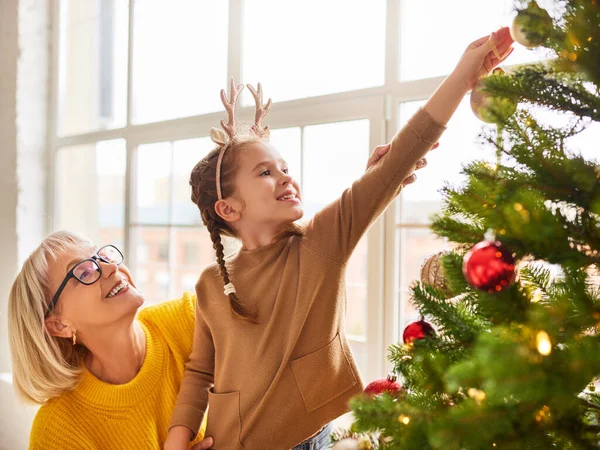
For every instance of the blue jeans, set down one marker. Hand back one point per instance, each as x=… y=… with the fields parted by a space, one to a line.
x=320 y=441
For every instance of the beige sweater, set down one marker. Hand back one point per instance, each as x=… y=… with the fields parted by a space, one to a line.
x=272 y=385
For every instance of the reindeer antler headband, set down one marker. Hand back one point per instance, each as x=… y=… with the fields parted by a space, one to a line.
x=225 y=138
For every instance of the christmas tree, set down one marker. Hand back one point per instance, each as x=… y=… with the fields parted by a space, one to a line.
x=509 y=348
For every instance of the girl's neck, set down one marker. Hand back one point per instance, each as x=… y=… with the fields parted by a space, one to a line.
x=260 y=237
x=116 y=356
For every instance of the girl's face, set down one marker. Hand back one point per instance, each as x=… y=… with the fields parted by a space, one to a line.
x=268 y=194
x=97 y=305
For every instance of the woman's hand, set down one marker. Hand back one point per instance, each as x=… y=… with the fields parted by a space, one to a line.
x=482 y=55
x=179 y=438
x=381 y=150
x=204 y=444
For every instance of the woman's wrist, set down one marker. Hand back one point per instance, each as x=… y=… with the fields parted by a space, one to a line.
x=179 y=435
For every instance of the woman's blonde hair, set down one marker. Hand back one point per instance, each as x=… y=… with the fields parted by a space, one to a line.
x=43 y=366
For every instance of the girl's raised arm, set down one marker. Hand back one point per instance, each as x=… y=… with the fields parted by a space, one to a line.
x=336 y=229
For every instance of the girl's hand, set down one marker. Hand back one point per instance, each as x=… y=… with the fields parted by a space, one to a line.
x=482 y=56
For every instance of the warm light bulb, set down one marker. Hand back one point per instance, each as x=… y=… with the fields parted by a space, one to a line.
x=403 y=419
x=544 y=346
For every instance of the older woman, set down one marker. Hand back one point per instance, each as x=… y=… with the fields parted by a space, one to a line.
x=106 y=376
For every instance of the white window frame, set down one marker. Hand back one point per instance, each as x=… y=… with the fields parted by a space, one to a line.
x=378 y=104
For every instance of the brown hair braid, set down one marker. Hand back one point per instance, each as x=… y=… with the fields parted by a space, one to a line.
x=204 y=195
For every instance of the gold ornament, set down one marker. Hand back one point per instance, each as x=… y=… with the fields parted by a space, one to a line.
x=432 y=272
x=488 y=108
x=531 y=26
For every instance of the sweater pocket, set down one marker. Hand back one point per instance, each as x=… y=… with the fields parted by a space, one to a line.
x=323 y=375
x=224 y=421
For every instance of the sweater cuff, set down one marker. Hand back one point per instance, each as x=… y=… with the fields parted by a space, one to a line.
x=187 y=416
x=426 y=129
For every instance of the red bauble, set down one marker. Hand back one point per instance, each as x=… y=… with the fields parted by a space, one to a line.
x=417 y=330
x=389 y=385
x=489 y=266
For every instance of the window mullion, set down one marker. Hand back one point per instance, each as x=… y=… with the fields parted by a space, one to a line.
x=130 y=63
x=235 y=40
x=53 y=115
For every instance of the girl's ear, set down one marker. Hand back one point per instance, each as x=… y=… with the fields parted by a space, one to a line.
x=228 y=210
x=58 y=327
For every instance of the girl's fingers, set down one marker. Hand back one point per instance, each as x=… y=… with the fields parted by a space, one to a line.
x=421 y=163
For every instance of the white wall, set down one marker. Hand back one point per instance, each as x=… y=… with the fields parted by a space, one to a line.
x=24 y=58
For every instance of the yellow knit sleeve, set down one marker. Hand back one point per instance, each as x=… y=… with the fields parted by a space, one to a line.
x=202 y=431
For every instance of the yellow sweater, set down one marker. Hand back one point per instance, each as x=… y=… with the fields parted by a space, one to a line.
x=274 y=384
x=135 y=415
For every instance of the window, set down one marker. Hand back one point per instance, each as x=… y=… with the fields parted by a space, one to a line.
x=446 y=28
x=165 y=220
x=316 y=49
x=190 y=252
x=92 y=89
x=90 y=191
x=180 y=57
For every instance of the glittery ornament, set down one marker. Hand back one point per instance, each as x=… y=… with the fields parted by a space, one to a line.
x=432 y=272
x=488 y=108
x=388 y=384
x=417 y=330
x=532 y=26
x=489 y=266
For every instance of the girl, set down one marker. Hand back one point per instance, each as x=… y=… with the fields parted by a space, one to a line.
x=273 y=363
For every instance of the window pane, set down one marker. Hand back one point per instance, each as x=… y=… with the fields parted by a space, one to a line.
x=180 y=58
x=434 y=34
x=303 y=49
x=584 y=143
x=458 y=145
x=335 y=155
x=186 y=154
x=90 y=191
x=193 y=251
x=151 y=264
x=288 y=142
x=153 y=175
x=415 y=246
x=92 y=65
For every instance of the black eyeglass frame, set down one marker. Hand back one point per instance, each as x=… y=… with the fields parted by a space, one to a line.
x=71 y=274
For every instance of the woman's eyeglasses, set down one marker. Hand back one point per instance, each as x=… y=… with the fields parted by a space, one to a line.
x=88 y=271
